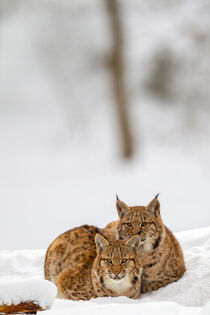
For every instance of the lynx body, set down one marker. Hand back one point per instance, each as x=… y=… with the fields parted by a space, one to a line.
x=161 y=253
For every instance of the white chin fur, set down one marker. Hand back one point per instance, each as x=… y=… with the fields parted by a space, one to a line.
x=147 y=246
x=117 y=286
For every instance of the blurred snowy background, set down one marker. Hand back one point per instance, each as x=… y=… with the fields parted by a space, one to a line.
x=63 y=153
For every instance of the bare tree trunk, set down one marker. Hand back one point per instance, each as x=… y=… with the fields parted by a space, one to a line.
x=118 y=77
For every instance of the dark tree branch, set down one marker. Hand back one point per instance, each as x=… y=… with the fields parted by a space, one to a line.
x=118 y=77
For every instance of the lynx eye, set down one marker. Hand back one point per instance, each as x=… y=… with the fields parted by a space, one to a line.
x=108 y=261
x=145 y=224
x=128 y=224
x=124 y=260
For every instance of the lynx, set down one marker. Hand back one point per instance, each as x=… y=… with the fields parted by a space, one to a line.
x=115 y=271
x=117 y=268
x=160 y=252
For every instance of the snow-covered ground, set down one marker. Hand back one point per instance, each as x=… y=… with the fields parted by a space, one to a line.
x=190 y=295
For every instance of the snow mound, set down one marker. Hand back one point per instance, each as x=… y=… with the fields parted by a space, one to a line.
x=21 y=263
x=41 y=291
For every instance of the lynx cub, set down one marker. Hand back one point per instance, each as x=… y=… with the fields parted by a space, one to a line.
x=161 y=253
x=116 y=270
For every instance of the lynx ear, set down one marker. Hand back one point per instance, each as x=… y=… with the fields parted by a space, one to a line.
x=122 y=208
x=101 y=242
x=133 y=243
x=154 y=207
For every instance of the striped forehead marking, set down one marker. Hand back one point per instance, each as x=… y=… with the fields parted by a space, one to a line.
x=136 y=215
x=116 y=251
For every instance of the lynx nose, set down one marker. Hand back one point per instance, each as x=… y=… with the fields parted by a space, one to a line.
x=116 y=273
x=116 y=276
x=139 y=233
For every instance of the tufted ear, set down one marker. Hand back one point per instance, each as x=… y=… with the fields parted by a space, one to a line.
x=133 y=243
x=101 y=242
x=122 y=208
x=154 y=207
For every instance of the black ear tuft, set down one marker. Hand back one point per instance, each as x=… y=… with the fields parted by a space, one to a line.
x=157 y=195
x=117 y=198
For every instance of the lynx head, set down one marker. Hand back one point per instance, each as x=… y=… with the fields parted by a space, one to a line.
x=118 y=265
x=144 y=221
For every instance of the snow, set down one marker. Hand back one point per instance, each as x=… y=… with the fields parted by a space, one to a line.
x=164 y=308
x=190 y=295
x=40 y=291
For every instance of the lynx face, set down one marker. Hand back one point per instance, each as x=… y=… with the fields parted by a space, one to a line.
x=117 y=264
x=144 y=221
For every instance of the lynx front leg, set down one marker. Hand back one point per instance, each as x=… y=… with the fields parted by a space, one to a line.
x=75 y=284
x=148 y=286
x=152 y=285
x=136 y=295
